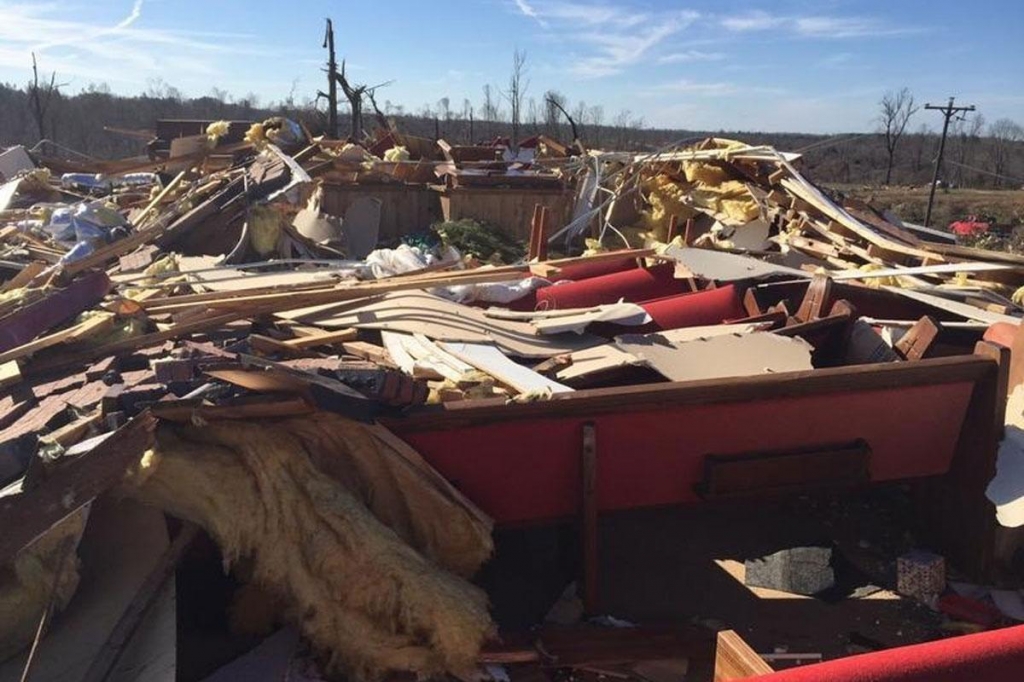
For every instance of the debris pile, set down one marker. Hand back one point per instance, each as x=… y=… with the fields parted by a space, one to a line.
x=266 y=335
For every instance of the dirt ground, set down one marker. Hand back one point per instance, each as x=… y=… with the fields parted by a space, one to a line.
x=1004 y=207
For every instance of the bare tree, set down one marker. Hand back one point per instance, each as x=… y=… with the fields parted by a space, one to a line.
x=896 y=110
x=1006 y=135
x=517 y=87
x=921 y=140
x=966 y=133
x=490 y=110
x=353 y=93
x=554 y=104
x=596 y=121
x=621 y=125
x=41 y=97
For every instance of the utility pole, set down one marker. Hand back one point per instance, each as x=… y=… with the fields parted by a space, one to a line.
x=332 y=84
x=948 y=112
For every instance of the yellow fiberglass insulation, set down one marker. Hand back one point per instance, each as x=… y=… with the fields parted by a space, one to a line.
x=26 y=583
x=666 y=198
x=369 y=602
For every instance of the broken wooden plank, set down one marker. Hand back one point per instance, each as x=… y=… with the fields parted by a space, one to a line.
x=489 y=359
x=254 y=407
x=324 y=338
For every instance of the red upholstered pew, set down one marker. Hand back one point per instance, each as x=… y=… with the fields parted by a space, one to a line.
x=673 y=443
x=996 y=656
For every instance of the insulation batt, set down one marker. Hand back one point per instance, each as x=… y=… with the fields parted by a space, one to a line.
x=369 y=602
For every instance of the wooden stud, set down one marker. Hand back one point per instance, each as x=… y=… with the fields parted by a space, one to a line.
x=816 y=300
x=735 y=660
x=688 y=234
x=916 y=343
x=542 y=235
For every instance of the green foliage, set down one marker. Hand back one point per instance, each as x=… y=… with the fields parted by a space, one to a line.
x=483 y=241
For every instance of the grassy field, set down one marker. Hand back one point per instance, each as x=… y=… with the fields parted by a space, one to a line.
x=1004 y=208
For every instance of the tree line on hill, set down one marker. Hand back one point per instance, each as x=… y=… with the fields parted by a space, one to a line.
x=101 y=124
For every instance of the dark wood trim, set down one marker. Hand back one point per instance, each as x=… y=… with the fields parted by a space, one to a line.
x=716 y=391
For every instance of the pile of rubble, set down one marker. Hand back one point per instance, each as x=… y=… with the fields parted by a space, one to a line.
x=193 y=332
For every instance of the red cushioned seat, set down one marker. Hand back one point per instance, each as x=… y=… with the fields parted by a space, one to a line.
x=638 y=284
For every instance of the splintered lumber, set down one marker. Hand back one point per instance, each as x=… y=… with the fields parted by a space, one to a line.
x=323 y=338
x=368 y=351
x=94 y=325
x=288 y=300
x=140 y=219
x=176 y=331
x=735 y=660
x=27 y=514
x=10 y=374
x=918 y=339
x=944 y=269
x=24 y=276
x=488 y=359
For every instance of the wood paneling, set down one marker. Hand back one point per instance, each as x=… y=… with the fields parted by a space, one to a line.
x=510 y=209
x=404 y=208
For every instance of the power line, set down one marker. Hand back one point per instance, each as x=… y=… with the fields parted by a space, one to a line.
x=985 y=172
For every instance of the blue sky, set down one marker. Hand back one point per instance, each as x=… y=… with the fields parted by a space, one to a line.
x=791 y=65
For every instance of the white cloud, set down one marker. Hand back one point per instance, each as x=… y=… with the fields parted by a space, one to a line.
x=690 y=56
x=120 y=51
x=752 y=21
x=605 y=38
x=814 y=26
x=710 y=89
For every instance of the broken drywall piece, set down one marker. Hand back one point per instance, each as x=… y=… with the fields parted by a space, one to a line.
x=718 y=357
x=727 y=267
x=312 y=223
x=14 y=161
x=362 y=226
x=750 y=237
x=625 y=314
x=1006 y=489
